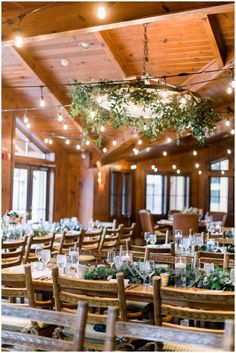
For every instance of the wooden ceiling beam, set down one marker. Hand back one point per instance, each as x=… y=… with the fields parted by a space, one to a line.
x=199 y=81
x=70 y=22
x=215 y=39
x=60 y=97
x=113 y=52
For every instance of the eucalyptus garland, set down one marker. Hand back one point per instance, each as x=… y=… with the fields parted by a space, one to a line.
x=219 y=279
x=193 y=114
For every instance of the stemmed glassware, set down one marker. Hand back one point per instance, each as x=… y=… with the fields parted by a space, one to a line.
x=61 y=263
x=147 y=237
x=153 y=239
x=45 y=257
x=150 y=270
x=111 y=257
x=74 y=254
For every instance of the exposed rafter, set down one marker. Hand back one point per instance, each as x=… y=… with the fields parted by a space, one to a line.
x=61 y=97
x=76 y=24
x=215 y=39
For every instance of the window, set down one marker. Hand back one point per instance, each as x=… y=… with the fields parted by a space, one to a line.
x=121 y=194
x=219 y=194
x=221 y=165
x=25 y=147
x=167 y=192
x=30 y=192
x=179 y=192
x=156 y=193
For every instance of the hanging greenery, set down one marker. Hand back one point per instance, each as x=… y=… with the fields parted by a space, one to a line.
x=178 y=111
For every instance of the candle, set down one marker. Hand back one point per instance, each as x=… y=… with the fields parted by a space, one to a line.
x=180 y=266
x=164 y=279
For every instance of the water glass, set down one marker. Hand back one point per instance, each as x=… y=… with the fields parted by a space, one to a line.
x=147 y=237
x=150 y=270
x=74 y=254
x=180 y=271
x=153 y=239
x=178 y=241
x=61 y=263
x=208 y=268
x=38 y=252
x=118 y=261
x=111 y=256
x=46 y=256
x=232 y=275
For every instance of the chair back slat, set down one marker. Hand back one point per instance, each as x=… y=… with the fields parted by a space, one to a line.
x=34 y=342
x=110 y=239
x=162 y=334
x=46 y=242
x=68 y=240
x=13 y=252
x=127 y=235
x=149 y=252
x=90 y=241
x=93 y=301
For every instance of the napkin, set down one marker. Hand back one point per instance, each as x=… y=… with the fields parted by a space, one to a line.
x=126 y=281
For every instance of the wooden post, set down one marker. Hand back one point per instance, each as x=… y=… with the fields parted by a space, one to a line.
x=229 y=336
x=80 y=325
x=110 y=339
x=121 y=296
x=157 y=300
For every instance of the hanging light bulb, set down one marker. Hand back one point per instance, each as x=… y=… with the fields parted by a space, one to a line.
x=59 y=117
x=101 y=12
x=174 y=166
x=78 y=147
x=222 y=172
x=169 y=140
x=227 y=122
x=183 y=100
x=233 y=83
x=87 y=142
x=153 y=167
x=28 y=125
x=102 y=129
x=114 y=142
x=42 y=102
x=18 y=41
x=164 y=153
x=229 y=151
x=197 y=165
x=83 y=155
x=104 y=150
x=178 y=171
x=65 y=127
x=46 y=140
x=50 y=142
x=155 y=170
x=232 y=132
x=199 y=172
x=194 y=152
x=25 y=119
x=229 y=90
x=140 y=142
x=92 y=114
x=67 y=142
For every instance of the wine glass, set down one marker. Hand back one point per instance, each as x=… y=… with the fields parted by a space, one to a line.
x=61 y=263
x=38 y=252
x=150 y=270
x=153 y=239
x=111 y=255
x=143 y=271
x=118 y=261
x=74 y=254
x=45 y=257
x=147 y=237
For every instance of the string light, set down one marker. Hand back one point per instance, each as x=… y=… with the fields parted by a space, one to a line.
x=199 y=172
x=114 y=142
x=42 y=102
x=197 y=165
x=227 y=122
x=18 y=41
x=59 y=117
x=50 y=142
x=46 y=140
x=169 y=140
x=174 y=166
x=65 y=127
x=28 y=125
x=78 y=147
x=67 y=142
x=155 y=170
x=153 y=167
x=104 y=150
x=101 y=12
x=140 y=142
x=164 y=153
x=222 y=172
x=102 y=129
x=83 y=155
x=136 y=151
x=178 y=171
x=133 y=167
x=232 y=132
x=229 y=90
x=87 y=142
x=229 y=151
x=194 y=152
x=148 y=149
x=25 y=119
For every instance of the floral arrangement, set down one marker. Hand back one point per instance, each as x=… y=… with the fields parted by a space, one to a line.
x=191 y=210
x=11 y=217
x=219 y=279
x=182 y=112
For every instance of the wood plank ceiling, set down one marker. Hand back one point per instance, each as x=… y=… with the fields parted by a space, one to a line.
x=202 y=38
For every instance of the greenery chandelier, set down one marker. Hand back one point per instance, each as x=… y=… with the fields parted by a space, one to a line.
x=146 y=106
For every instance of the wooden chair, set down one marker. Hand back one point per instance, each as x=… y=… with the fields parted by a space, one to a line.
x=89 y=244
x=218 y=259
x=13 y=252
x=127 y=235
x=216 y=216
x=181 y=339
x=112 y=224
x=110 y=240
x=45 y=241
x=67 y=240
x=26 y=342
x=18 y=289
x=151 y=252
x=191 y=304
x=185 y=222
x=138 y=252
x=146 y=220
x=98 y=294
x=228 y=220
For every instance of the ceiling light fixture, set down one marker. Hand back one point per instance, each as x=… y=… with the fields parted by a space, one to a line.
x=229 y=90
x=65 y=62
x=25 y=119
x=104 y=150
x=46 y=140
x=18 y=41
x=65 y=127
x=194 y=152
x=174 y=166
x=42 y=102
x=164 y=153
x=78 y=147
x=197 y=165
x=87 y=142
x=67 y=142
x=84 y=45
x=199 y=172
x=229 y=151
x=178 y=171
x=169 y=140
x=227 y=122
x=114 y=142
x=28 y=125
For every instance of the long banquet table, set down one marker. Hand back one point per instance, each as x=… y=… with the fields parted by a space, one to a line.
x=141 y=293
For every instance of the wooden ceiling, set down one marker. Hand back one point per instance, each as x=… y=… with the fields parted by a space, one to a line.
x=183 y=37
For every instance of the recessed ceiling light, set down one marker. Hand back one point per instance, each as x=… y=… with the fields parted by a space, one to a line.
x=84 y=45
x=65 y=62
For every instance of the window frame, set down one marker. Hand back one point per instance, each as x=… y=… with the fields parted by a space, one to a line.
x=209 y=191
x=166 y=197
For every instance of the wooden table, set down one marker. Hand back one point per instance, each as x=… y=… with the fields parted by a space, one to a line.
x=169 y=223
x=138 y=292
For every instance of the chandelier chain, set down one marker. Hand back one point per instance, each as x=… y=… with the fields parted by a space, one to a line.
x=145 y=49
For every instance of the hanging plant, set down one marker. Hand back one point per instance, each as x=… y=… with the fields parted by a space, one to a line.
x=147 y=109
